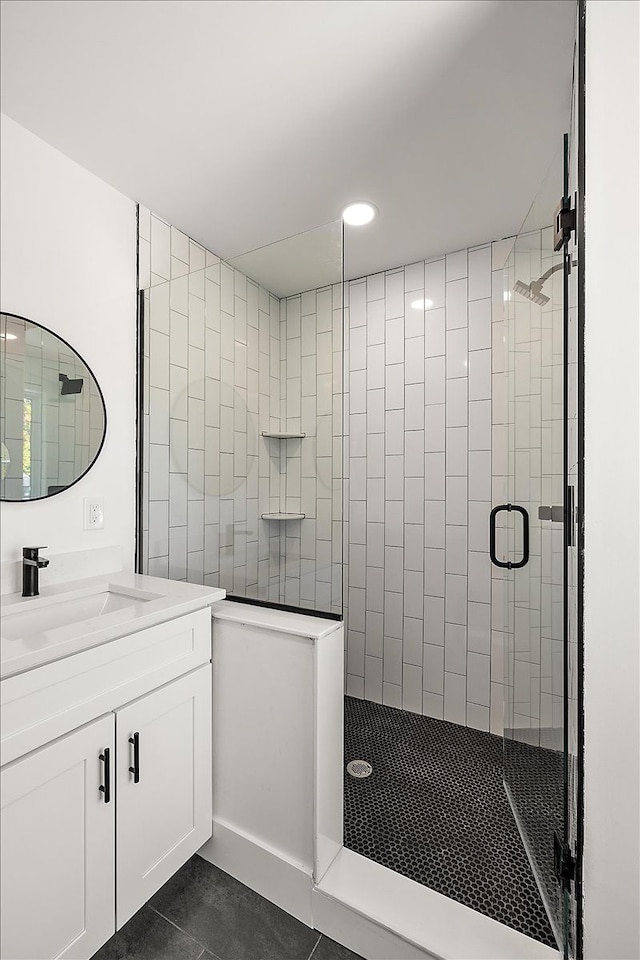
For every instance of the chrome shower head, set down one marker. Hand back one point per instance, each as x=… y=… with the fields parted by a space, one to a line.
x=532 y=291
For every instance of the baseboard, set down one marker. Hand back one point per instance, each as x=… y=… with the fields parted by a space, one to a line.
x=381 y=915
x=267 y=871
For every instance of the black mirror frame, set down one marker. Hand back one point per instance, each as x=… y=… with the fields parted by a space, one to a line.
x=48 y=496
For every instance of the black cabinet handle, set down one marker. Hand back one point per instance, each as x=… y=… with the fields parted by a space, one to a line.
x=509 y=565
x=135 y=769
x=105 y=787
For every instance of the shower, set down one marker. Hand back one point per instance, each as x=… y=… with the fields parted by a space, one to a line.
x=533 y=291
x=328 y=451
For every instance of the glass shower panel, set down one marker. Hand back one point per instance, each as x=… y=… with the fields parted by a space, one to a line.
x=300 y=431
x=242 y=466
x=533 y=616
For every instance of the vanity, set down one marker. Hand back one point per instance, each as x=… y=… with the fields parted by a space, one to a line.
x=105 y=749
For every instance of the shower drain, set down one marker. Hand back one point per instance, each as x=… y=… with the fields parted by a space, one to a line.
x=359 y=769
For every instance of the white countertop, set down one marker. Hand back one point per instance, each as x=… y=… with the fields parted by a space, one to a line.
x=285 y=621
x=170 y=598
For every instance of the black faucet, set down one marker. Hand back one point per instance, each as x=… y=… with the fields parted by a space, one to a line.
x=31 y=564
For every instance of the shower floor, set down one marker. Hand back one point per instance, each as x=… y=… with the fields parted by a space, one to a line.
x=434 y=810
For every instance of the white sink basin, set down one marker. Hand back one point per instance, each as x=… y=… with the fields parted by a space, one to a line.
x=32 y=625
x=74 y=616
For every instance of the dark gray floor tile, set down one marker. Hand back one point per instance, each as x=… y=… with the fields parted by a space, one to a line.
x=330 y=950
x=229 y=919
x=148 y=936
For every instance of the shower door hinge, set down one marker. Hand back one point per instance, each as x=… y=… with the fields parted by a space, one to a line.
x=564 y=223
x=564 y=862
x=562 y=514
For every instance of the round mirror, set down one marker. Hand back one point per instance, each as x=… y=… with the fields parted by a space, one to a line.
x=52 y=413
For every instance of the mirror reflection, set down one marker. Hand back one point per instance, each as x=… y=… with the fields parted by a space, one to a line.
x=52 y=413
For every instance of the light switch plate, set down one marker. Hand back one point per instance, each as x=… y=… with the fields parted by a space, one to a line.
x=93 y=513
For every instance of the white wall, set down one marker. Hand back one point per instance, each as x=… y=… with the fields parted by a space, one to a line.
x=69 y=262
x=612 y=425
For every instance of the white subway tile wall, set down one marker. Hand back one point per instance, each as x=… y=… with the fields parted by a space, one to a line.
x=225 y=359
x=529 y=375
x=311 y=468
x=418 y=385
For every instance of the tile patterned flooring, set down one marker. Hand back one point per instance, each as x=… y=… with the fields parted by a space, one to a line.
x=202 y=913
x=434 y=809
x=536 y=781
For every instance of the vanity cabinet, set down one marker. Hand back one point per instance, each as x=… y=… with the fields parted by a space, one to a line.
x=163 y=805
x=58 y=848
x=98 y=816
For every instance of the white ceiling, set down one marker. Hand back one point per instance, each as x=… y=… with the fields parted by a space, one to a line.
x=295 y=264
x=245 y=122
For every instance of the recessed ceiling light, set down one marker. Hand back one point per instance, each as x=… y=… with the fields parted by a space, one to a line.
x=421 y=304
x=8 y=336
x=358 y=214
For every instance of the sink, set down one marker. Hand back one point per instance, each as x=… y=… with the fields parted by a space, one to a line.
x=75 y=616
x=31 y=625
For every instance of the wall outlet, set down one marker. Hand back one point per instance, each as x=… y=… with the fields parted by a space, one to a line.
x=93 y=513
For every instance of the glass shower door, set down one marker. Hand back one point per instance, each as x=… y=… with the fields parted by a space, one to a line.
x=530 y=546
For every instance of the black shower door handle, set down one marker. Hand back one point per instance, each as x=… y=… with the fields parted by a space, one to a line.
x=509 y=507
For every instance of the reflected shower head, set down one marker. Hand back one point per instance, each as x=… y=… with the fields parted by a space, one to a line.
x=68 y=386
x=532 y=291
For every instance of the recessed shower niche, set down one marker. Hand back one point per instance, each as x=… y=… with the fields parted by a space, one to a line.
x=242 y=399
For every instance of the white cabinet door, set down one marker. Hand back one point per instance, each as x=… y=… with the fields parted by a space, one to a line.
x=164 y=786
x=57 y=845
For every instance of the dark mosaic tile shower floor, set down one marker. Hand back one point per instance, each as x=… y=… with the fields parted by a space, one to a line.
x=434 y=809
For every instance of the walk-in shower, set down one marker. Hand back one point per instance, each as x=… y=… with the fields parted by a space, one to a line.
x=343 y=449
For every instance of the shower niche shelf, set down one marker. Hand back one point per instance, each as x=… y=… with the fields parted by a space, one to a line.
x=283 y=516
x=284 y=449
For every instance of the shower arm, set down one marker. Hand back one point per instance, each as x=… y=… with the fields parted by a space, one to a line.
x=545 y=276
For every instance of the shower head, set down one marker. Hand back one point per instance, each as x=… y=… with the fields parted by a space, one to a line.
x=532 y=291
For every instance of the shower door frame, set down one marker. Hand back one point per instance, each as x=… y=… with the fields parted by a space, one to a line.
x=579 y=526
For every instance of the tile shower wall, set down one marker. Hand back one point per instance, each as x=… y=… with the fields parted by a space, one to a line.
x=418 y=423
x=534 y=476
x=212 y=384
x=224 y=361
x=311 y=335
x=418 y=581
